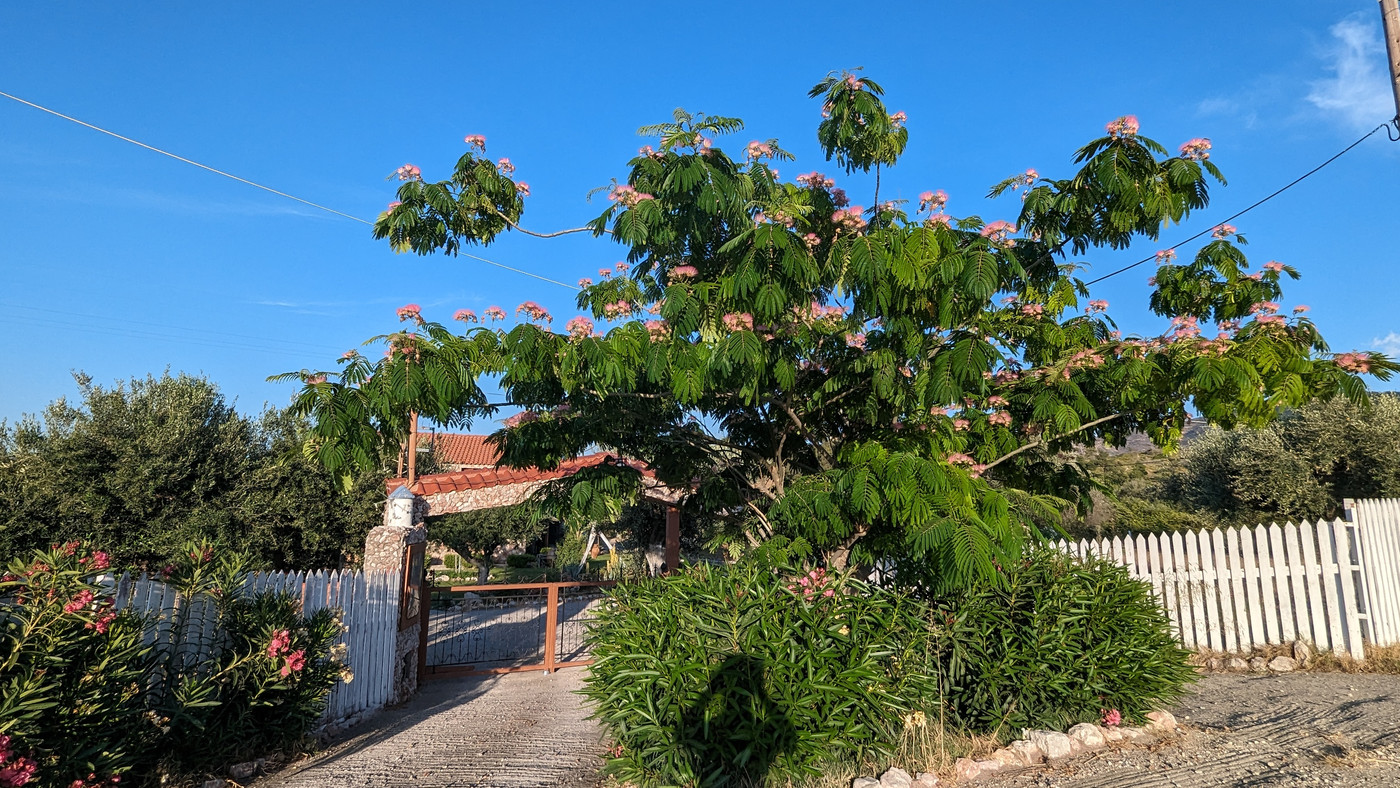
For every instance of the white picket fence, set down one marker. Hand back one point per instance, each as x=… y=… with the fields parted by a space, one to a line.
x=369 y=610
x=1335 y=584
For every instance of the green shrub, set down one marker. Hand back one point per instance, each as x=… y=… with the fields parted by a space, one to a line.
x=1057 y=643
x=85 y=700
x=727 y=675
x=521 y=561
x=70 y=672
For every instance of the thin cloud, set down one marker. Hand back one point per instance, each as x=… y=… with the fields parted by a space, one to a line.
x=1359 y=93
x=1388 y=344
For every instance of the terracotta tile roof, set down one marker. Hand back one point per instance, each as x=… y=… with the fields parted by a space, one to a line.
x=456 y=449
x=475 y=479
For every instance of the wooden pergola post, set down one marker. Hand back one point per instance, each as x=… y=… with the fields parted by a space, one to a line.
x=673 y=539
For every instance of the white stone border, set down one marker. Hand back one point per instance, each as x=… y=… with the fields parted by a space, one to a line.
x=1032 y=749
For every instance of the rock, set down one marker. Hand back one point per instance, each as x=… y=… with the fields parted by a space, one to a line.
x=1026 y=751
x=1007 y=758
x=1088 y=735
x=967 y=769
x=896 y=778
x=865 y=782
x=1131 y=733
x=1259 y=665
x=1302 y=653
x=1282 y=665
x=217 y=782
x=1236 y=664
x=1052 y=744
x=926 y=780
x=1112 y=734
x=1161 y=721
x=1216 y=664
x=242 y=771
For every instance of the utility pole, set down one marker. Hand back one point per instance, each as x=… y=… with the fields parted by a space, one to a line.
x=1390 y=23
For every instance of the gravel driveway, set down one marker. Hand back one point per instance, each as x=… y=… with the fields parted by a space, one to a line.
x=518 y=730
x=1301 y=729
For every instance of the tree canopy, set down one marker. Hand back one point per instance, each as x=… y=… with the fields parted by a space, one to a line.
x=890 y=381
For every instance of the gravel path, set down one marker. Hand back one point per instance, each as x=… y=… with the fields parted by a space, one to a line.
x=1302 y=729
x=511 y=731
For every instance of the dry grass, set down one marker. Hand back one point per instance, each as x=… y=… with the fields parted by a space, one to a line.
x=1379 y=659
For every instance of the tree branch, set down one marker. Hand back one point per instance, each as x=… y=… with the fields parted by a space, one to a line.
x=1042 y=441
x=518 y=228
x=823 y=456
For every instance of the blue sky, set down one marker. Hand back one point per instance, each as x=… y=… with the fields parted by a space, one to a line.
x=120 y=262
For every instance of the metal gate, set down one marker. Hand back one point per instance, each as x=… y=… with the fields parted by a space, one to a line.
x=509 y=628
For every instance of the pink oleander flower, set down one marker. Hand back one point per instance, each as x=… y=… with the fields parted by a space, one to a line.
x=464 y=315
x=494 y=313
x=998 y=232
x=628 y=196
x=1000 y=418
x=102 y=623
x=295 y=662
x=280 y=644
x=1273 y=265
x=1097 y=305
x=534 y=311
x=738 y=321
x=409 y=312
x=1196 y=149
x=101 y=560
x=80 y=601
x=477 y=141
x=579 y=327
x=17 y=772
x=523 y=189
x=1224 y=231
x=1125 y=126
x=683 y=272
x=408 y=172
x=505 y=166
x=1300 y=309
x=1111 y=717
x=898 y=119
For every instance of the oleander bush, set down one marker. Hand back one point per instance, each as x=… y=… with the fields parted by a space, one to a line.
x=1057 y=641
x=737 y=675
x=93 y=696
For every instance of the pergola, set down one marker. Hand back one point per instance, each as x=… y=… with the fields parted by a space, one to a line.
x=488 y=488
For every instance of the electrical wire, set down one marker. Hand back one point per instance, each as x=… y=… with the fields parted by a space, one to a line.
x=256 y=185
x=1231 y=218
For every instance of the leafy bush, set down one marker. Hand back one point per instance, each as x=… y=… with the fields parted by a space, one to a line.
x=1055 y=643
x=87 y=698
x=721 y=675
x=521 y=561
x=70 y=672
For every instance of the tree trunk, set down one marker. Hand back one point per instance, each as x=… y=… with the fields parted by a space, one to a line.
x=483 y=571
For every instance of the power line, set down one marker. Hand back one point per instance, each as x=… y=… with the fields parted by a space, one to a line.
x=256 y=185
x=1229 y=219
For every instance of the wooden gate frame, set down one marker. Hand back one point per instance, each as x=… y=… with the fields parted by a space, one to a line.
x=551 y=628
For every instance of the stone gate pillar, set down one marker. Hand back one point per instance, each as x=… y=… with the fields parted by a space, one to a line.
x=398 y=547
